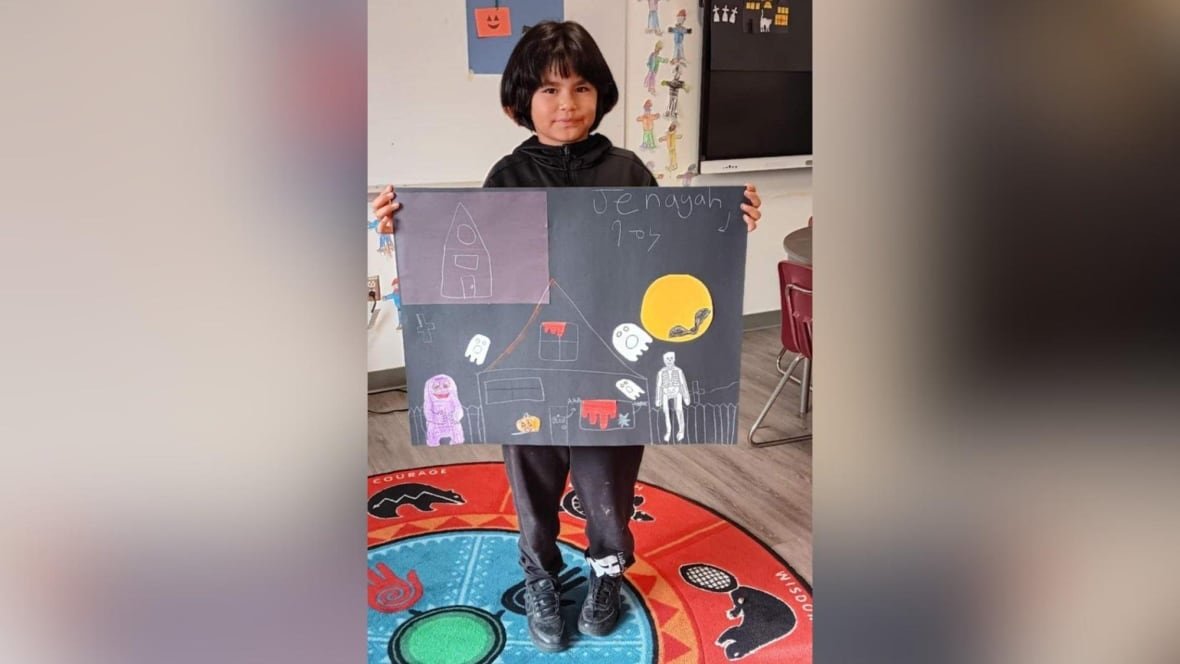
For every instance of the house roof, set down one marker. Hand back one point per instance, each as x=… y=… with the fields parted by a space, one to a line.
x=593 y=353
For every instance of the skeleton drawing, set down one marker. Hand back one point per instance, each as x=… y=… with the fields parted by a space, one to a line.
x=671 y=385
x=763 y=22
x=674 y=87
x=442 y=410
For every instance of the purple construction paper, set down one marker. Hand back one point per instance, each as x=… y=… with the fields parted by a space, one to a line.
x=473 y=247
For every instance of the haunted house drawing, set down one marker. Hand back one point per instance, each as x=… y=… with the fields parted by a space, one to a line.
x=560 y=370
x=466 y=263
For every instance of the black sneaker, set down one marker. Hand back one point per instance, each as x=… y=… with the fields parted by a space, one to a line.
x=542 y=603
x=600 y=612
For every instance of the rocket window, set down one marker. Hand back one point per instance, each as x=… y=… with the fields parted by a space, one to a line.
x=467 y=261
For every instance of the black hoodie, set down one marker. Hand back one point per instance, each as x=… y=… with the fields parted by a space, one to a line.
x=593 y=162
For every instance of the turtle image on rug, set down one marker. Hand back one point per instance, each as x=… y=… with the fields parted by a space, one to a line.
x=445 y=586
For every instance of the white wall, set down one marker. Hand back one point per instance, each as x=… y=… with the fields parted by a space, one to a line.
x=786 y=195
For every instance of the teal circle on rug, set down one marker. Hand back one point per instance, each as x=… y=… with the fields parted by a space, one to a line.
x=470 y=586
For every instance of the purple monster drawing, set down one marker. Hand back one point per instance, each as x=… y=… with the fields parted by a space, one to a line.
x=443 y=411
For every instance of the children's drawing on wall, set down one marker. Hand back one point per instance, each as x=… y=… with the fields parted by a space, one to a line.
x=384 y=240
x=654 y=60
x=675 y=86
x=648 y=121
x=678 y=31
x=670 y=138
x=672 y=387
x=653 y=16
x=466 y=263
x=443 y=411
x=395 y=295
x=687 y=176
x=651 y=166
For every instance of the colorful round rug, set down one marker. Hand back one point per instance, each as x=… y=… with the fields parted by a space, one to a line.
x=445 y=586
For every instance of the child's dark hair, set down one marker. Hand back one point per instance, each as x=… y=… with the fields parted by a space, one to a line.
x=565 y=47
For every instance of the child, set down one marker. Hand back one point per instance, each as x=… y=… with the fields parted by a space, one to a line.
x=558 y=85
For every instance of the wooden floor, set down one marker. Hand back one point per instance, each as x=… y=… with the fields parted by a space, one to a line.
x=767 y=490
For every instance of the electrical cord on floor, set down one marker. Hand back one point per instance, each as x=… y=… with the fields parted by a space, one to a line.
x=395 y=410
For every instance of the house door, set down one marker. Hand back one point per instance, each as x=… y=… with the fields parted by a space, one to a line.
x=468 y=281
x=559 y=425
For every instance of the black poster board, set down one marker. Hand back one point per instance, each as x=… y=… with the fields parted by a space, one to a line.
x=632 y=275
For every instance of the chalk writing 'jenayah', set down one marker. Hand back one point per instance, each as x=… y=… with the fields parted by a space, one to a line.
x=684 y=204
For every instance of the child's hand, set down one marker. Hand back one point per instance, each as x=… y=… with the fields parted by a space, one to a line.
x=752 y=213
x=383 y=208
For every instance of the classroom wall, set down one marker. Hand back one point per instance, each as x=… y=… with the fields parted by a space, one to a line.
x=786 y=194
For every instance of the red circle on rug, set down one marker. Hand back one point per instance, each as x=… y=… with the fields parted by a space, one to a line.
x=713 y=592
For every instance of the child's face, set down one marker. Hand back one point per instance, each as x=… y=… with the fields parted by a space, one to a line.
x=564 y=109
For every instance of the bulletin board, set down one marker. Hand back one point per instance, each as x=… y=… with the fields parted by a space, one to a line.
x=434 y=121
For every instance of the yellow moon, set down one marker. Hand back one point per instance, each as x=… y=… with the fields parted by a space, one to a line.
x=674 y=306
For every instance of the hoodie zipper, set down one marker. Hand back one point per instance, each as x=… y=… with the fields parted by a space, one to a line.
x=569 y=170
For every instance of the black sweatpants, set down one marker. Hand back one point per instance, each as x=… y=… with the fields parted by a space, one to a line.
x=604 y=479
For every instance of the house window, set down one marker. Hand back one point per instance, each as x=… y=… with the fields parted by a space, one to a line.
x=559 y=341
x=505 y=390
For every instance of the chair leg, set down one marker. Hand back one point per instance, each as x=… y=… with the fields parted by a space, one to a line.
x=805 y=388
x=773 y=396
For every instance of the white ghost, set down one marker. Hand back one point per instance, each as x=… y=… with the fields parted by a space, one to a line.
x=477 y=349
x=629 y=388
x=630 y=340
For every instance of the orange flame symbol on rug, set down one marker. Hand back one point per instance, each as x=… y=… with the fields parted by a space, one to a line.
x=389 y=594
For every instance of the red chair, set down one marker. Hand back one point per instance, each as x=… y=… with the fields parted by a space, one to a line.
x=794 y=281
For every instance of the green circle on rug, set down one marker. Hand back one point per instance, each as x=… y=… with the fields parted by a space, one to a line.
x=456 y=634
